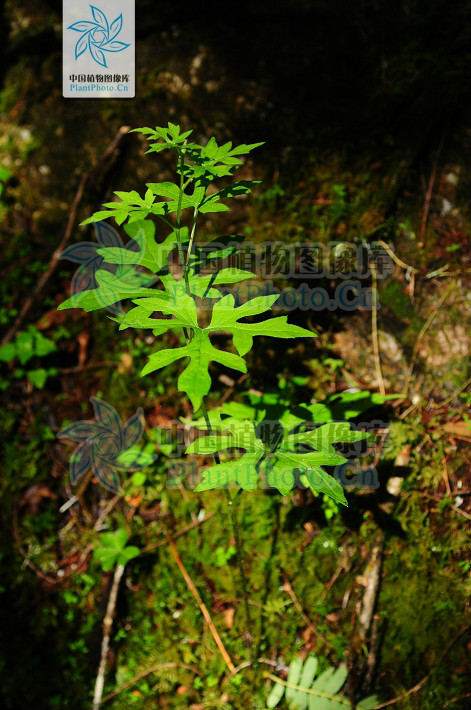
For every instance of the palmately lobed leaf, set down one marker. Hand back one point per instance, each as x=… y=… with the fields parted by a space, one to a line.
x=151 y=255
x=195 y=379
x=176 y=303
x=111 y=289
x=324 y=437
x=280 y=468
x=277 y=465
x=226 y=316
x=240 y=434
x=242 y=472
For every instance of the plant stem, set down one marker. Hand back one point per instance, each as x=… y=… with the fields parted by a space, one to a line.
x=229 y=500
x=165 y=221
x=275 y=507
x=237 y=538
x=209 y=427
x=181 y=160
x=242 y=575
x=193 y=228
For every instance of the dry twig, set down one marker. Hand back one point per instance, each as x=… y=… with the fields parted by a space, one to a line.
x=199 y=601
x=396 y=259
x=105 y=644
x=372 y=587
x=182 y=531
x=428 y=195
x=455 y=393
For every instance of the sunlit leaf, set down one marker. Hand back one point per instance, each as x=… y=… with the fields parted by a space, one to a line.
x=195 y=379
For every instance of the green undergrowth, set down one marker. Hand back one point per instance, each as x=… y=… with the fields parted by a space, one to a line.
x=422 y=602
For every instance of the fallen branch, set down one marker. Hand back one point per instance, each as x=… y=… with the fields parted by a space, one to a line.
x=372 y=656
x=373 y=575
x=105 y=644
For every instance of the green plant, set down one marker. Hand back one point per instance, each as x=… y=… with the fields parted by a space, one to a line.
x=303 y=690
x=113 y=550
x=276 y=448
x=268 y=443
x=28 y=344
x=338 y=207
x=271 y=196
x=223 y=555
x=5 y=175
x=195 y=303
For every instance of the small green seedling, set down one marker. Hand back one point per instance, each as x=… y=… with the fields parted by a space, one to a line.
x=113 y=550
x=28 y=344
